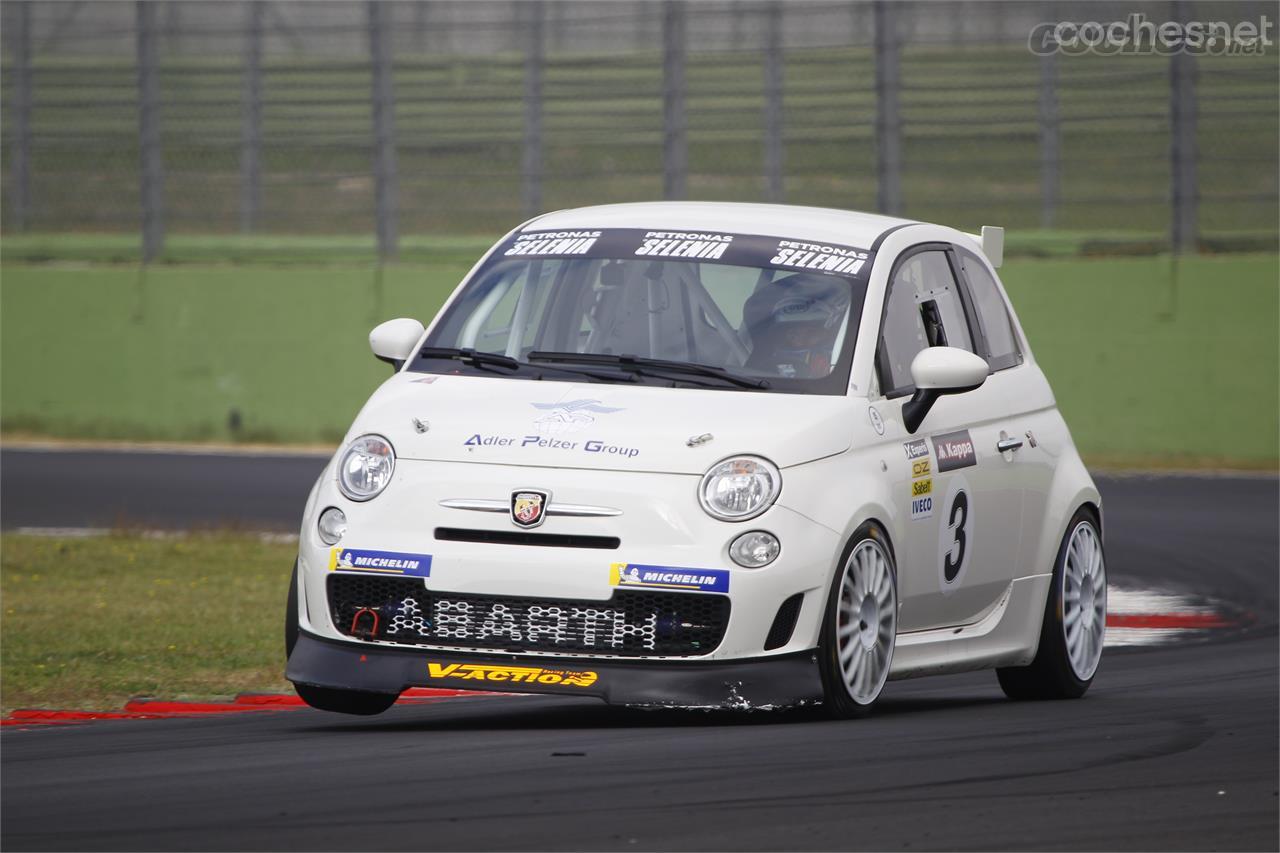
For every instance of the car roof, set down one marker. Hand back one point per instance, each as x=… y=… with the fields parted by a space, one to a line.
x=791 y=222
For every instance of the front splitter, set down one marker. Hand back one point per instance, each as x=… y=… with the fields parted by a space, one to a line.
x=763 y=682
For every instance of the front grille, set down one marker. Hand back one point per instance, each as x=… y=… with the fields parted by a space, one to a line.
x=403 y=610
x=524 y=537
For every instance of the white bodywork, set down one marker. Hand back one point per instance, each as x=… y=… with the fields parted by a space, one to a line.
x=843 y=462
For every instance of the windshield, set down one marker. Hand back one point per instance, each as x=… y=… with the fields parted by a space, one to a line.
x=732 y=311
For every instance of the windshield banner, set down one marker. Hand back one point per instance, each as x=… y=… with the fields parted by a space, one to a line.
x=744 y=250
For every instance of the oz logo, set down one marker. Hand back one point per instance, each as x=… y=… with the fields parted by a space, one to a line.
x=955 y=534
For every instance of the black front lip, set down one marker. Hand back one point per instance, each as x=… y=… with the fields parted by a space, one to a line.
x=773 y=681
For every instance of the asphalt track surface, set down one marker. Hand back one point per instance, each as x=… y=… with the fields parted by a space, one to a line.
x=1175 y=747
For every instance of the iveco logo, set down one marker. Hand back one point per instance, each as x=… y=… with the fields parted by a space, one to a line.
x=529 y=507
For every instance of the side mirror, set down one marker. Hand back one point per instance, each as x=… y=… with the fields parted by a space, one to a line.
x=937 y=371
x=394 y=340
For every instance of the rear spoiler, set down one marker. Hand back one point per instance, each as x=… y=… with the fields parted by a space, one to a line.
x=991 y=242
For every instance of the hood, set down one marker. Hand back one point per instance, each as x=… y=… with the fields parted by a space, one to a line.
x=599 y=426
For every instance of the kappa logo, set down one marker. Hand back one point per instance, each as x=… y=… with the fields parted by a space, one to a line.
x=916 y=449
x=513 y=674
x=570 y=416
x=955 y=450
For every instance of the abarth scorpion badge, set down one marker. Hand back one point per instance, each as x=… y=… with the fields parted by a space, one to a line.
x=529 y=507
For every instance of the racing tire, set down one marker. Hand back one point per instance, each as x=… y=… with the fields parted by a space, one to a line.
x=859 y=625
x=291 y=614
x=358 y=702
x=1074 y=625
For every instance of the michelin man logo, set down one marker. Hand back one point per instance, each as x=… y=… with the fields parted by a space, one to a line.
x=570 y=416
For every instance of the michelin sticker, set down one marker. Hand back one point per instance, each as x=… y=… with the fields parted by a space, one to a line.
x=669 y=577
x=379 y=562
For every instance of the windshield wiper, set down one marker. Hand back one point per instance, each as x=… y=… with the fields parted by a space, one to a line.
x=648 y=366
x=482 y=359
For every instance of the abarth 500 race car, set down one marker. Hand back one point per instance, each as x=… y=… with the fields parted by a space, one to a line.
x=705 y=455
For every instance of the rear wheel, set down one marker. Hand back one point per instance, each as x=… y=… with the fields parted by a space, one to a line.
x=860 y=627
x=357 y=702
x=1075 y=620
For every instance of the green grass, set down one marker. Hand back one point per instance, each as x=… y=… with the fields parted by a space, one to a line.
x=89 y=623
x=1146 y=373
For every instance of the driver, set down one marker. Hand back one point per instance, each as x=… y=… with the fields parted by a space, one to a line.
x=793 y=323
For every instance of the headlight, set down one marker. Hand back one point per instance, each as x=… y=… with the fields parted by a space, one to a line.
x=366 y=467
x=739 y=488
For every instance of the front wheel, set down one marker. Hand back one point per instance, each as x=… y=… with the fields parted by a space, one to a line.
x=860 y=627
x=1075 y=621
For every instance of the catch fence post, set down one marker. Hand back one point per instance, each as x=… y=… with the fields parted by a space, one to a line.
x=20 y=116
x=251 y=121
x=533 y=61
x=152 y=164
x=384 y=131
x=1050 y=141
x=773 y=116
x=675 y=152
x=888 y=117
x=1184 y=191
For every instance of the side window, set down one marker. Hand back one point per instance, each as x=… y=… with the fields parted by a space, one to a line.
x=993 y=317
x=923 y=309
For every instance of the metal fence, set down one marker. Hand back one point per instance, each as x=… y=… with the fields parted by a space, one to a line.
x=399 y=118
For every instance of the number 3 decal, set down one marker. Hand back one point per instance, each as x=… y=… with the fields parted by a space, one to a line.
x=956 y=518
x=955 y=534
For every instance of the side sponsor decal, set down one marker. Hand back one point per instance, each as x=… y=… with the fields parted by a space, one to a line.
x=379 y=562
x=512 y=674
x=922 y=487
x=920 y=468
x=954 y=450
x=956 y=534
x=669 y=577
x=921 y=507
x=915 y=449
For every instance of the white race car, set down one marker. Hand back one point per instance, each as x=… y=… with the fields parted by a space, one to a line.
x=705 y=455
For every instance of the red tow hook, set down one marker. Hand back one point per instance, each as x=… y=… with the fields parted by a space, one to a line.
x=372 y=632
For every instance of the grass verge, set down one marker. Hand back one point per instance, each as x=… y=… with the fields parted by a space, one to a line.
x=91 y=622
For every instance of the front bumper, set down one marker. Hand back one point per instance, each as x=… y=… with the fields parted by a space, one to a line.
x=742 y=684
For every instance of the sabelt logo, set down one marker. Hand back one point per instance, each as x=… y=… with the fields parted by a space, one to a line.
x=955 y=450
x=512 y=674
x=921 y=487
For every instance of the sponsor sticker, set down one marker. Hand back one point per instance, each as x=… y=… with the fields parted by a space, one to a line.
x=915 y=449
x=819 y=257
x=570 y=416
x=954 y=450
x=553 y=243
x=512 y=674
x=680 y=244
x=922 y=487
x=921 y=507
x=920 y=468
x=669 y=577
x=379 y=562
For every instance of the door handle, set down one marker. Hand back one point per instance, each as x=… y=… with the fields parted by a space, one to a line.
x=1005 y=445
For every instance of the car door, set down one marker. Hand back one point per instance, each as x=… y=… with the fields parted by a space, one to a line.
x=959 y=505
x=1035 y=432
